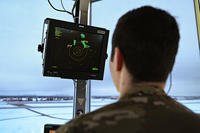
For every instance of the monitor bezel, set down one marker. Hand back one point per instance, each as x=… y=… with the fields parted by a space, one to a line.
x=48 y=71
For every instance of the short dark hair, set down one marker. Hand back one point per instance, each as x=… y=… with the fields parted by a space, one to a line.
x=148 y=38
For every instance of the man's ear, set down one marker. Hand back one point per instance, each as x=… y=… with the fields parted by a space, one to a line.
x=118 y=59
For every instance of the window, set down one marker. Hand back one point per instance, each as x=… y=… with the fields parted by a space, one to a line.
x=21 y=65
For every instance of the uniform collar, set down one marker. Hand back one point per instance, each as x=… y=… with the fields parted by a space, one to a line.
x=144 y=91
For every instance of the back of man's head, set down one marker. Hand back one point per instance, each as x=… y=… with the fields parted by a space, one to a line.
x=148 y=39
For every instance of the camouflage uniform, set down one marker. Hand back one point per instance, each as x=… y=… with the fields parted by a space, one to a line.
x=146 y=111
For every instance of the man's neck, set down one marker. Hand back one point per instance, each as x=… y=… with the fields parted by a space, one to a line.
x=126 y=84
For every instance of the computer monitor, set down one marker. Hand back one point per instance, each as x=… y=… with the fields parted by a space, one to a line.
x=51 y=128
x=74 y=51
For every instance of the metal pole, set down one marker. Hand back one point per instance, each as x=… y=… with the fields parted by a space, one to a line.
x=82 y=88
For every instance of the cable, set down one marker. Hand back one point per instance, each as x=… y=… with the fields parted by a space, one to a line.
x=170 y=83
x=42 y=114
x=74 y=5
x=64 y=10
x=61 y=1
x=58 y=9
x=73 y=8
x=37 y=112
x=6 y=119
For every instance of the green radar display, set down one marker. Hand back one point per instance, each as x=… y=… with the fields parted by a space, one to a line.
x=74 y=51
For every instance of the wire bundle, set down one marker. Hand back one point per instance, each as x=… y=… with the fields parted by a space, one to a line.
x=63 y=8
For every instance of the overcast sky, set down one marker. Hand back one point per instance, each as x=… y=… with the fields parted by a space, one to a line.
x=20 y=33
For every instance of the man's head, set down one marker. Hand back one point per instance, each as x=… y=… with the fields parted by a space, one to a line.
x=147 y=39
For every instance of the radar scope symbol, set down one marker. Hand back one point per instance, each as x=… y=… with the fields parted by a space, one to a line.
x=78 y=49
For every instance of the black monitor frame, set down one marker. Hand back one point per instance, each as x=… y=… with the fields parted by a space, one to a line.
x=49 y=128
x=48 y=67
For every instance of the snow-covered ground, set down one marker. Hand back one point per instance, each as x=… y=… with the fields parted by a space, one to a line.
x=32 y=120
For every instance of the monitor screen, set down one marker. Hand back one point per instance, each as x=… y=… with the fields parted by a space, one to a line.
x=75 y=51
